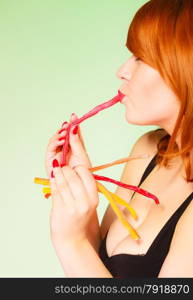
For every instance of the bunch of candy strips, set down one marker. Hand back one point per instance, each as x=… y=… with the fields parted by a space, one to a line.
x=112 y=197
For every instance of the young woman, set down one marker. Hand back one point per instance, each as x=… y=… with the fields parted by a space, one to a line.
x=157 y=81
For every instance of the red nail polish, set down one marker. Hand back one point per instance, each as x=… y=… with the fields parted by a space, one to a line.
x=47 y=196
x=64 y=123
x=62 y=138
x=75 y=130
x=55 y=163
x=61 y=130
x=52 y=174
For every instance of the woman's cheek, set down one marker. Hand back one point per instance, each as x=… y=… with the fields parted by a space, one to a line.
x=143 y=114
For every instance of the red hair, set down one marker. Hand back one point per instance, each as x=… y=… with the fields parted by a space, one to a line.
x=161 y=34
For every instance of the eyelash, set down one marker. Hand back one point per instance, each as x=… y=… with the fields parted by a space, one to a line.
x=137 y=58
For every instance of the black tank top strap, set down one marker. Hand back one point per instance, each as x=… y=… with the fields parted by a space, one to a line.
x=148 y=170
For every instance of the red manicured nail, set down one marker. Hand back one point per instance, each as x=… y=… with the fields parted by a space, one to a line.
x=64 y=123
x=61 y=130
x=47 y=196
x=55 y=163
x=62 y=138
x=52 y=174
x=75 y=130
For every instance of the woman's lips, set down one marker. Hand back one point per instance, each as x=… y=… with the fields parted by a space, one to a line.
x=121 y=95
x=123 y=100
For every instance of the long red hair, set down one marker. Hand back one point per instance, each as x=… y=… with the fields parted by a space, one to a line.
x=161 y=34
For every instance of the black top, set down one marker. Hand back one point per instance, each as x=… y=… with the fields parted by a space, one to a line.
x=149 y=264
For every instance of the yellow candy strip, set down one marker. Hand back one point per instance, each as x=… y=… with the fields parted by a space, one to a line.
x=124 y=203
x=119 y=214
x=118 y=199
x=42 y=181
x=46 y=190
x=112 y=199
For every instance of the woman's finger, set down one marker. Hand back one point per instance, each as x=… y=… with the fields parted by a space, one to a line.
x=57 y=139
x=77 y=187
x=52 y=147
x=81 y=139
x=77 y=149
x=63 y=187
x=55 y=195
x=73 y=118
x=89 y=182
x=59 y=132
x=64 y=125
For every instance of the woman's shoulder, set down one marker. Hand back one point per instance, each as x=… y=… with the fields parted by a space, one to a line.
x=147 y=143
x=159 y=133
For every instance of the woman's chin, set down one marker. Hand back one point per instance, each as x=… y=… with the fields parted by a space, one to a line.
x=129 y=118
x=135 y=121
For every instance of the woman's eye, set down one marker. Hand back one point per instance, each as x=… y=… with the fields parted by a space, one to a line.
x=137 y=58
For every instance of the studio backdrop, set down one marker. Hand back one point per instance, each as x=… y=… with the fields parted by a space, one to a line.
x=57 y=57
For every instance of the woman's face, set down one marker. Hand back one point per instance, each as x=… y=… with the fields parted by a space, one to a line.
x=148 y=100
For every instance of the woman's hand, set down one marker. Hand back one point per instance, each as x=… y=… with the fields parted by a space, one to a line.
x=74 y=201
x=76 y=155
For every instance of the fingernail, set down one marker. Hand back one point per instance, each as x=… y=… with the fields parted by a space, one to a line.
x=62 y=138
x=75 y=130
x=64 y=123
x=61 y=130
x=47 y=195
x=52 y=174
x=55 y=163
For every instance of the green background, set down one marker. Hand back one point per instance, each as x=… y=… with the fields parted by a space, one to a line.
x=57 y=57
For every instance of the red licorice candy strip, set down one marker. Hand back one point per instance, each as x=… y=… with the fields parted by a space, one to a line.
x=47 y=195
x=127 y=186
x=65 y=146
x=89 y=114
x=99 y=108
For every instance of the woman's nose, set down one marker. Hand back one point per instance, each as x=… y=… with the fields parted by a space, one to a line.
x=124 y=72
